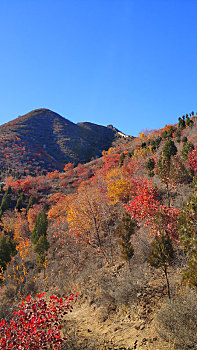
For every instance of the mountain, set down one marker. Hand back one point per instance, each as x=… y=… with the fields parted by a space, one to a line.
x=45 y=140
x=115 y=231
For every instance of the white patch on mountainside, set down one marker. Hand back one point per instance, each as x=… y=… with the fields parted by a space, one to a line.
x=121 y=134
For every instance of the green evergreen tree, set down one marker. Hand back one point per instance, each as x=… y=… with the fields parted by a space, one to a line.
x=39 y=237
x=9 y=190
x=143 y=145
x=19 y=204
x=188 y=238
x=177 y=134
x=181 y=123
x=184 y=139
x=40 y=228
x=20 y=191
x=187 y=147
x=32 y=201
x=164 y=164
x=41 y=248
x=169 y=150
x=150 y=165
x=178 y=173
x=7 y=248
x=161 y=255
x=167 y=134
x=122 y=158
x=3 y=266
x=124 y=232
x=158 y=141
x=189 y=122
x=5 y=204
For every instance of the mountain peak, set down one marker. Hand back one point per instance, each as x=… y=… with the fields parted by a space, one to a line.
x=49 y=140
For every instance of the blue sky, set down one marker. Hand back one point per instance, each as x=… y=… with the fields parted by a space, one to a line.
x=130 y=63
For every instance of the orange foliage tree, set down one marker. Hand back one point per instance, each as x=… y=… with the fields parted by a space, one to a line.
x=32 y=215
x=15 y=224
x=90 y=217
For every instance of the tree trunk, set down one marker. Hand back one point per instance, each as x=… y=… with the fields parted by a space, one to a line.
x=167 y=281
x=168 y=194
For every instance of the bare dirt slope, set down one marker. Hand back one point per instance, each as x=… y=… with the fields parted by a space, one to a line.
x=135 y=327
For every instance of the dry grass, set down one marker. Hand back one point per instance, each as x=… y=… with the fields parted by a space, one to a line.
x=178 y=321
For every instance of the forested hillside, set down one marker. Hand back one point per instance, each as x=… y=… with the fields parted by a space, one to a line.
x=113 y=240
x=42 y=141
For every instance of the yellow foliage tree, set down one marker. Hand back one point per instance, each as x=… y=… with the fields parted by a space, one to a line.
x=15 y=224
x=119 y=186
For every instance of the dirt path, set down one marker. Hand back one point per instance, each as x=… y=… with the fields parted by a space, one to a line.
x=119 y=331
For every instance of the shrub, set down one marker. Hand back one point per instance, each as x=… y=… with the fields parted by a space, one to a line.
x=36 y=324
x=187 y=147
x=178 y=321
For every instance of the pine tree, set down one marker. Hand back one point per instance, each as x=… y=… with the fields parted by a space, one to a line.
x=164 y=164
x=169 y=150
x=9 y=190
x=32 y=201
x=39 y=237
x=42 y=245
x=150 y=165
x=122 y=158
x=188 y=238
x=7 y=249
x=40 y=228
x=124 y=232
x=5 y=204
x=189 y=122
x=187 y=147
x=181 y=123
x=161 y=255
x=19 y=204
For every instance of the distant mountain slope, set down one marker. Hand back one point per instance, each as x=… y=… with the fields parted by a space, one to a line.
x=45 y=140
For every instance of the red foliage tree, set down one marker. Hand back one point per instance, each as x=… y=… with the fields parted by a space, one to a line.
x=36 y=325
x=145 y=203
x=145 y=207
x=192 y=159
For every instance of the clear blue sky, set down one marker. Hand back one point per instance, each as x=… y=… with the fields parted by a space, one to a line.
x=130 y=63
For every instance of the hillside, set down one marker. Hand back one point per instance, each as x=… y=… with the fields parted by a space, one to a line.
x=43 y=141
x=106 y=249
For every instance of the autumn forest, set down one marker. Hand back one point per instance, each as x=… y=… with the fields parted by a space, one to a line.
x=99 y=251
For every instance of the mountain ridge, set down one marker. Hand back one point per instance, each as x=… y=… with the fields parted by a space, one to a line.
x=49 y=140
